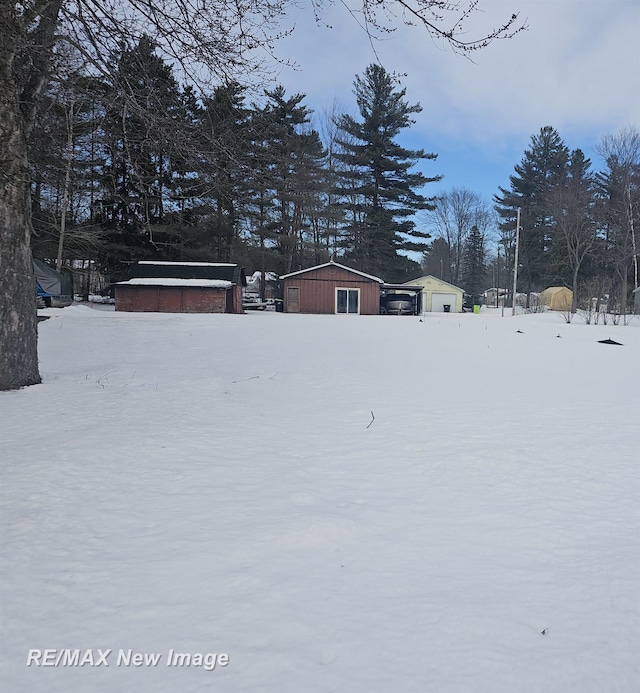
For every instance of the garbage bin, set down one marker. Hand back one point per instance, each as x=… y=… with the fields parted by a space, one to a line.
x=447 y=307
x=279 y=305
x=476 y=309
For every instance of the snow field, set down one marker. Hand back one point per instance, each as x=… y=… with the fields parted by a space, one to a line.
x=216 y=484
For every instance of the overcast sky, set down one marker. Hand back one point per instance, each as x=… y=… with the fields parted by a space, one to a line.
x=575 y=68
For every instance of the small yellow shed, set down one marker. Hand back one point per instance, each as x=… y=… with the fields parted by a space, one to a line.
x=438 y=296
x=557 y=298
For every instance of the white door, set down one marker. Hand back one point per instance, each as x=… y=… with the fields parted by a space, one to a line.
x=439 y=303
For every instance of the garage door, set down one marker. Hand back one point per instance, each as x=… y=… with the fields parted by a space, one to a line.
x=439 y=303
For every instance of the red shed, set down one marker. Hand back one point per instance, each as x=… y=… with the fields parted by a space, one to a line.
x=331 y=288
x=182 y=287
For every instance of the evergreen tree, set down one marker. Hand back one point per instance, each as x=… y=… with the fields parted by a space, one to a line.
x=378 y=187
x=330 y=222
x=474 y=267
x=223 y=180
x=291 y=159
x=143 y=121
x=542 y=168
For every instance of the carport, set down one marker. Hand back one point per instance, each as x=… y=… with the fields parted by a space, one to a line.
x=414 y=291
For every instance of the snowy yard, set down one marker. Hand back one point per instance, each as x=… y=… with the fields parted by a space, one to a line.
x=218 y=484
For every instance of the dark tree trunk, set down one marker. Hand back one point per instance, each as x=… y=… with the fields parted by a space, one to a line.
x=18 y=319
x=33 y=39
x=574 y=287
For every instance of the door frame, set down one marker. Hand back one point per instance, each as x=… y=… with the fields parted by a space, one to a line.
x=295 y=303
x=347 y=289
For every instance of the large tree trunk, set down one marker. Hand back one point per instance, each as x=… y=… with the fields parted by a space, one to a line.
x=32 y=36
x=18 y=319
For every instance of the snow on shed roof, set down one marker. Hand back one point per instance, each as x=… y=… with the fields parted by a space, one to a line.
x=173 y=281
x=332 y=264
x=187 y=264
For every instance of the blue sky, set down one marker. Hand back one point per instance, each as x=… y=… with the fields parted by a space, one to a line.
x=575 y=68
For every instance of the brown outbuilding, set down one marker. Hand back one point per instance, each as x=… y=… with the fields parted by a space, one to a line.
x=331 y=288
x=182 y=287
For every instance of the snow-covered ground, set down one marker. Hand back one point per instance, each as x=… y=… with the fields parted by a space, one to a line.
x=337 y=503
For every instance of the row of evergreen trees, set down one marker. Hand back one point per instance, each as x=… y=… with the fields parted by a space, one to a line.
x=137 y=167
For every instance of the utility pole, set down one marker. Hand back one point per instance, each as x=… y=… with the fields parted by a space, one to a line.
x=498 y=279
x=515 y=265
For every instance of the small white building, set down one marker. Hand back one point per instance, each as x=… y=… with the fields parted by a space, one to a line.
x=438 y=296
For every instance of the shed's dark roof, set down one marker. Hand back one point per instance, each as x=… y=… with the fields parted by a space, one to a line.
x=188 y=270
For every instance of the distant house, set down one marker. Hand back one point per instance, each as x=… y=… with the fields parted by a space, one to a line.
x=495 y=296
x=438 y=296
x=557 y=298
x=182 y=287
x=331 y=288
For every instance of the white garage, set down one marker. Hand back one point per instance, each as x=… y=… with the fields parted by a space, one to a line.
x=438 y=296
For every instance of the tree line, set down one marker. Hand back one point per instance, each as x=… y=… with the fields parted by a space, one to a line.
x=134 y=166
x=578 y=226
x=137 y=166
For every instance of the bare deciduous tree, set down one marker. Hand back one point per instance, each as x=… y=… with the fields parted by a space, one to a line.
x=455 y=215
x=571 y=204
x=621 y=186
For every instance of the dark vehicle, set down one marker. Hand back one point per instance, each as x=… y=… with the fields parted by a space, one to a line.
x=397 y=304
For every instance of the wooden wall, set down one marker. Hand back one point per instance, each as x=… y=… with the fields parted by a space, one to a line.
x=317 y=291
x=176 y=299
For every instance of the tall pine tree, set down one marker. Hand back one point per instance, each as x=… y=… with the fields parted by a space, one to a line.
x=474 y=266
x=226 y=164
x=379 y=185
x=289 y=159
x=142 y=125
x=542 y=168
